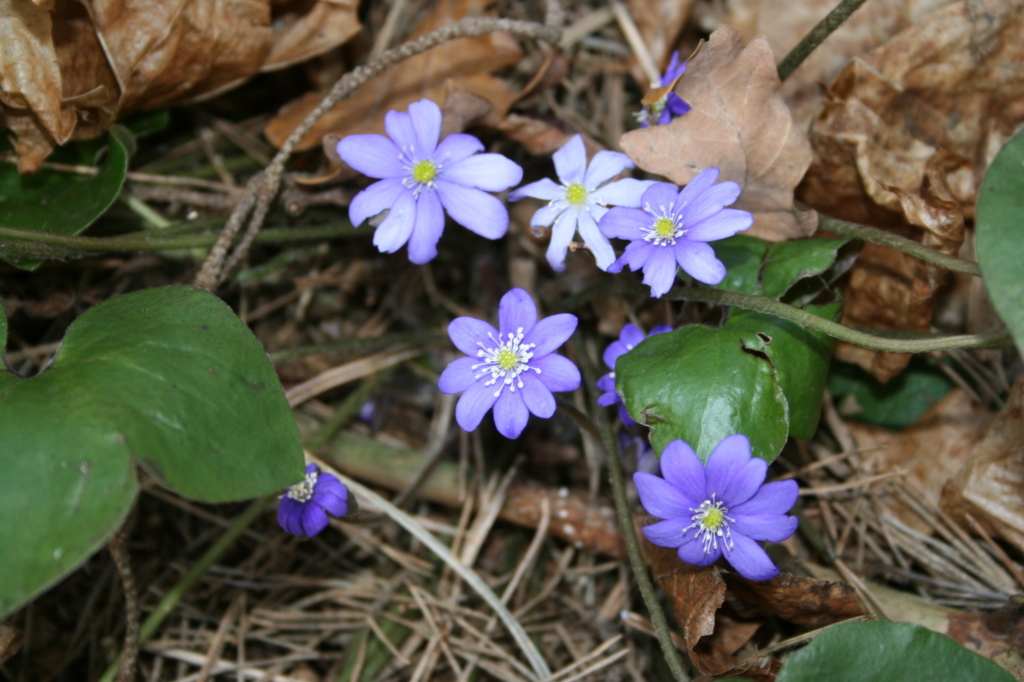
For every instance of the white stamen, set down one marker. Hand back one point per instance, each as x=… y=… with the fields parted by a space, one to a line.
x=506 y=361
x=711 y=520
x=666 y=227
x=303 y=490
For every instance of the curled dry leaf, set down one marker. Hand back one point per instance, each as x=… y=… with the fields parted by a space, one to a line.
x=803 y=600
x=738 y=124
x=301 y=32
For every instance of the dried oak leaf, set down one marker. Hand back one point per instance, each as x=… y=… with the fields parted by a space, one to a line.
x=738 y=124
x=467 y=61
x=659 y=22
x=803 y=600
x=302 y=32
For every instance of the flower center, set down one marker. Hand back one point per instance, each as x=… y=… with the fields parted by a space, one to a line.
x=506 y=361
x=303 y=490
x=711 y=521
x=424 y=171
x=576 y=194
x=666 y=227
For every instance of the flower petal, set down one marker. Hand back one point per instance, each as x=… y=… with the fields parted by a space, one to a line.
x=660 y=195
x=711 y=201
x=667 y=533
x=470 y=335
x=631 y=335
x=313 y=520
x=700 y=184
x=455 y=148
x=426 y=122
x=376 y=198
x=473 y=209
x=490 y=172
x=458 y=375
x=571 y=161
x=607 y=383
x=399 y=128
x=396 y=229
x=510 y=414
x=550 y=333
x=546 y=189
x=557 y=373
x=660 y=270
x=473 y=405
x=608 y=398
x=660 y=329
x=699 y=261
x=637 y=254
x=545 y=215
x=289 y=515
x=627 y=420
x=725 y=223
x=625 y=223
x=772 y=527
x=604 y=166
x=692 y=550
x=536 y=396
x=625 y=192
x=749 y=559
x=428 y=228
x=561 y=234
x=682 y=468
x=613 y=351
x=373 y=155
x=777 y=497
x=516 y=311
x=331 y=495
x=724 y=462
x=676 y=105
x=662 y=499
x=598 y=244
x=747 y=479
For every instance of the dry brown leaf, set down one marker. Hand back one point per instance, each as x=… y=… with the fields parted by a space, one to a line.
x=799 y=599
x=301 y=33
x=466 y=61
x=542 y=138
x=989 y=486
x=659 y=22
x=10 y=641
x=738 y=124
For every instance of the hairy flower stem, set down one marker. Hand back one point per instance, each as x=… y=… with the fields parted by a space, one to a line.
x=130 y=656
x=823 y=30
x=636 y=560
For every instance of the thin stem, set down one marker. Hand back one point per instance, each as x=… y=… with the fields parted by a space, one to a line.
x=636 y=560
x=823 y=30
x=171 y=599
x=129 y=658
x=908 y=246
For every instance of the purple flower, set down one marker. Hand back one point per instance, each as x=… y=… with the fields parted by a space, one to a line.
x=718 y=509
x=646 y=459
x=629 y=337
x=671 y=104
x=304 y=508
x=673 y=227
x=512 y=370
x=423 y=179
x=580 y=201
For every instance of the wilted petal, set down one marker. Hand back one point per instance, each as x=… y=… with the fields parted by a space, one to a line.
x=561 y=234
x=470 y=335
x=313 y=520
x=699 y=261
x=750 y=560
x=700 y=183
x=455 y=148
x=662 y=499
x=474 y=404
x=396 y=229
x=660 y=271
x=711 y=201
x=374 y=199
x=399 y=128
x=772 y=527
x=625 y=223
x=667 y=533
x=692 y=550
x=426 y=122
x=598 y=244
x=490 y=172
x=604 y=166
x=550 y=333
x=473 y=209
x=428 y=228
x=557 y=373
x=571 y=161
x=777 y=497
x=725 y=461
x=682 y=468
x=545 y=189
x=536 y=396
x=745 y=482
x=725 y=223
x=510 y=414
x=516 y=311
x=373 y=155
x=458 y=376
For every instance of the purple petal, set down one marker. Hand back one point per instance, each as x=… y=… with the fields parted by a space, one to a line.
x=475 y=210
x=631 y=335
x=665 y=117
x=667 y=533
x=662 y=499
x=516 y=312
x=660 y=195
x=473 y=405
x=700 y=184
x=777 y=497
x=711 y=201
x=612 y=353
x=373 y=155
x=772 y=527
x=604 y=166
x=426 y=122
x=470 y=335
x=396 y=229
x=724 y=462
x=608 y=399
x=624 y=415
x=490 y=172
x=725 y=223
x=625 y=192
x=399 y=128
x=745 y=482
x=455 y=148
x=550 y=333
x=557 y=373
x=458 y=376
x=692 y=550
x=660 y=329
x=625 y=223
x=545 y=189
x=674 y=70
x=660 y=270
x=545 y=215
x=536 y=396
x=607 y=383
x=311 y=467
x=313 y=520
x=561 y=234
x=330 y=494
x=510 y=414
x=289 y=515
x=598 y=244
x=750 y=560
x=699 y=261
x=636 y=255
x=682 y=468
x=571 y=161
x=676 y=105
x=374 y=199
x=428 y=228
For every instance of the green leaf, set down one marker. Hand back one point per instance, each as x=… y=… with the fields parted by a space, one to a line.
x=58 y=202
x=169 y=378
x=702 y=384
x=895 y=404
x=742 y=257
x=1000 y=238
x=884 y=651
x=791 y=261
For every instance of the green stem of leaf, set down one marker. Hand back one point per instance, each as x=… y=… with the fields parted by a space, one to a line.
x=823 y=30
x=636 y=560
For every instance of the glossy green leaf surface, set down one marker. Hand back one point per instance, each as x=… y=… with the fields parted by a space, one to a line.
x=895 y=404
x=786 y=263
x=1000 y=235
x=755 y=266
x=742 y=257
x=885 y=651
x=60 y=202
x=169 y=378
